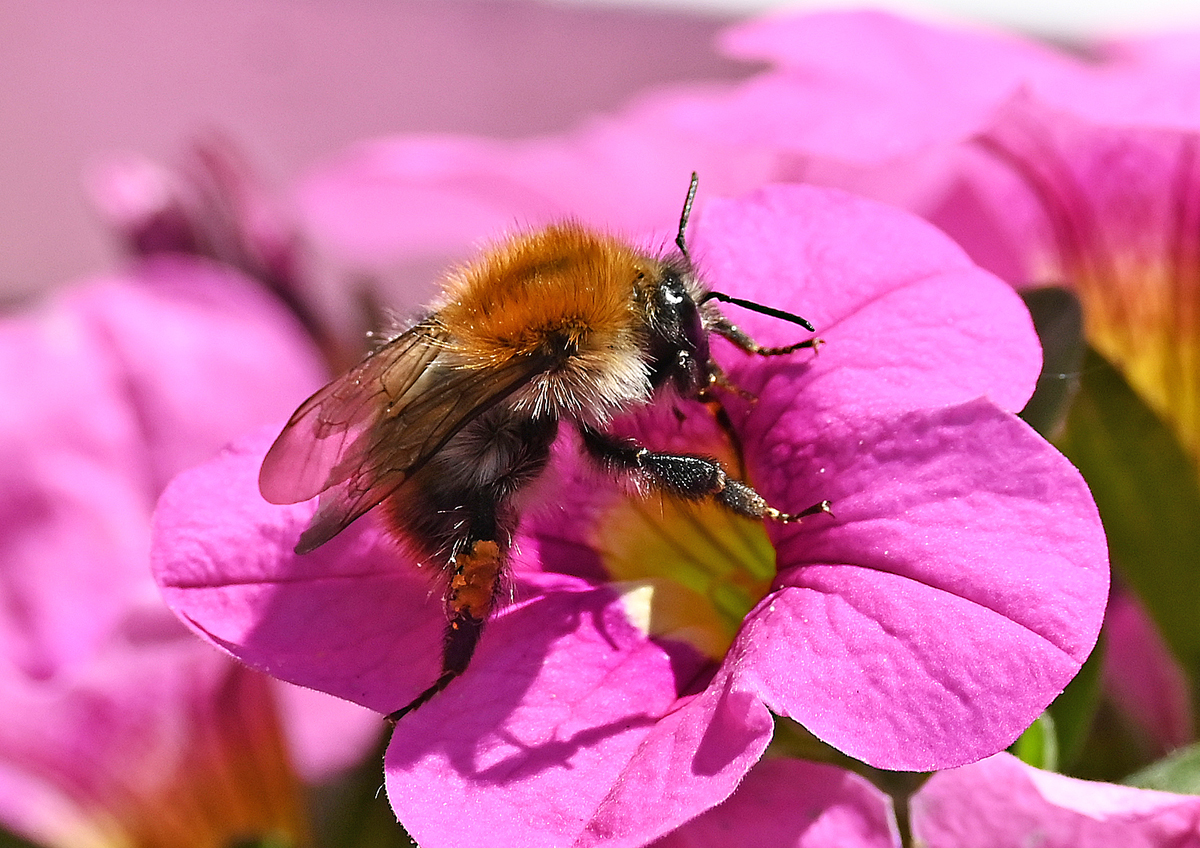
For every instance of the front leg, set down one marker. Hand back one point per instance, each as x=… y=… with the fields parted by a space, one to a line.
x=725 y=328
x=686 y=475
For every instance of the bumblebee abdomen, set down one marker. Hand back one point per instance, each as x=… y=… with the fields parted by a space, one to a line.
x=464 y=493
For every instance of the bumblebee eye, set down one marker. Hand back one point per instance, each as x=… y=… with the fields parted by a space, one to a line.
x=678 y=345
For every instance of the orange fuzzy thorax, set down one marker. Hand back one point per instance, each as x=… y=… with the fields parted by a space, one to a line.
x=561 y=288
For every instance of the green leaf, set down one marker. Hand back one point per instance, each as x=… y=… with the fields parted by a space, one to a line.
x=1058 y=319
x=352 y=810
x=1146 y=488
x=1074 y=711
x=9 y=840
x=1038 y=745
x=1178 y=772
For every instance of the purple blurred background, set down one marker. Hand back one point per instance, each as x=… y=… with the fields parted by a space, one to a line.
x=290 y=81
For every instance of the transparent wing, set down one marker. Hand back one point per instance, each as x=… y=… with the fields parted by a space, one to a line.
x=359 y=438
x=324 y=437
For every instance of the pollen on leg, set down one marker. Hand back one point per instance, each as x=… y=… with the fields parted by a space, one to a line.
x=473 y=584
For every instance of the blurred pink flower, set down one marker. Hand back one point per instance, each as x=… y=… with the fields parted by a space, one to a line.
x=630 y=685
x=211 y=205
x=1145 y=682
x=789 y=803
x=397 y=211
x=117 y=727
x=1045 y=167
x=855 y=87
x=1017 y=805
x=1109 y=209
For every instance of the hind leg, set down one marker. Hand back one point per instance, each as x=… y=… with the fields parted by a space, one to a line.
x=469 y=601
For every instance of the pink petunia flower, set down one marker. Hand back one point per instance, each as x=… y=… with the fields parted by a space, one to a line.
x=1045 y=167
x=1143 y=679
x=1017 y=805
x=1107 y=208
x=630 y=684
x=117 y=726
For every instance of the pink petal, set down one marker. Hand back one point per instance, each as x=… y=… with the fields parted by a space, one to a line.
x=408 y=208
x=108 y=704
x=421 y=197
x=958 y=589
x=100 y=750
x=114 y=385
x=73 y=493
x=188 y=330
x=354 y=618
x=1130 y=84
x=1017 y=805
x=868 y=86
x=1171 y=49
x=907 y=319
x=326 y=735
x=793 y=804
x=984 y=60
x=567 y=730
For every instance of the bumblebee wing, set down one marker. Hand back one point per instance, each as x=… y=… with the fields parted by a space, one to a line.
x=358 y=439
x=321 y=443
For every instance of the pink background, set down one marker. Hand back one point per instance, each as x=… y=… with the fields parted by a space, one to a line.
x=291 y=81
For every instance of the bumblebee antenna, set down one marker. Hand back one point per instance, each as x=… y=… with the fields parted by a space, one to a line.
x=687 y=213
x=758 y=307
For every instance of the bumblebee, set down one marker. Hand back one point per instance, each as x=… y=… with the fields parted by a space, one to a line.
x=443 y=424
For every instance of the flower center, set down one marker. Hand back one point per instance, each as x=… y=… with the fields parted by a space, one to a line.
x=689 y=572
x=216 y=774
x=1123 y=213
x=1140 y=328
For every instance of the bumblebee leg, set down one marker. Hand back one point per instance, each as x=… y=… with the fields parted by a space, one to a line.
x=462 y=635
x=724 y=328
x=717 y=377
x=472 y=591
x=685 y=475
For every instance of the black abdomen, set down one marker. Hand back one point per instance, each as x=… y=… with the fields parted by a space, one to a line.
x=463 y=495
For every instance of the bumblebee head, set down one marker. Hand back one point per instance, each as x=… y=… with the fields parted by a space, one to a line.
x=677 y=345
